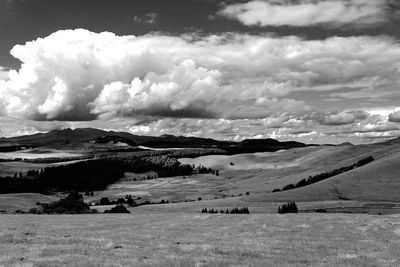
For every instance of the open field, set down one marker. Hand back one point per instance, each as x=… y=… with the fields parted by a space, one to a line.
x=24 y=201
x=179 y=239
x=250 y=161
x=39 y=154
x=9 y=168
x=174 y=189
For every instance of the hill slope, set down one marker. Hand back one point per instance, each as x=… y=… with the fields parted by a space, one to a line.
x=376 y=181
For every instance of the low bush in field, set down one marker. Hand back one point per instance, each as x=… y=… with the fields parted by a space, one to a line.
x=72 y=204
x=120 y=208
x=290 y=207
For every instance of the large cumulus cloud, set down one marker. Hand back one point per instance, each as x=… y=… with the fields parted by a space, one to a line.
x=81 y=75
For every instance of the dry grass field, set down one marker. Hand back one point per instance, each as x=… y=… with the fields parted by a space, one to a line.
x=182 y=239
x=24 y=201
x=39 y=154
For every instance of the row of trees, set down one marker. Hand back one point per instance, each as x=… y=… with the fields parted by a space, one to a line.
x=325 y=175
x=244 y=210
x=126 y=200
x=73 y=204
x=164 y=166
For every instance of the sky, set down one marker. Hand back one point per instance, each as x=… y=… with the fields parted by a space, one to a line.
x=315 y=71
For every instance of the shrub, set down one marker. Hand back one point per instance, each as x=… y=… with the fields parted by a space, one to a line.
x=104 y=201
x=72 y=204
x=364 y=161
x=34 y=211
x=290 y=207
x=288 y=187
x=130 y=201
x=118 y=209
x=321 y=210
x=121 y=201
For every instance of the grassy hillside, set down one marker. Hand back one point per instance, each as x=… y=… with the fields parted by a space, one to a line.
x=377 y=181
x=178 y=239
x=24 y=202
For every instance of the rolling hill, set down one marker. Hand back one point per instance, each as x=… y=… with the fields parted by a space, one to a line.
x=256 y=173
x=81 y=137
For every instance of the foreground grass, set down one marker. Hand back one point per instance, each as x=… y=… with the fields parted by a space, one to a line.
x=182 y=239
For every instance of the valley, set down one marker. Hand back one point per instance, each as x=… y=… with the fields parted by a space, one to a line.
x=348 y=219
x=216 y=175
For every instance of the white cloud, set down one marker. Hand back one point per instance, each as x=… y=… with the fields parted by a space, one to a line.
x=281 y=126
x=331 y=13
x=394 y=117
x=174 y=92
x=81 y=75
x=4 y=73
x=345 y=117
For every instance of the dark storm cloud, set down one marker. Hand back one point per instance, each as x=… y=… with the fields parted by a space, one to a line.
x=166 y=112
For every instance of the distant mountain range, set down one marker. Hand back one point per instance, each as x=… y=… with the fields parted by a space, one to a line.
x=69 y=138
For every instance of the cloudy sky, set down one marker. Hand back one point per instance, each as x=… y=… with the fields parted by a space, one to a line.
x=317 y=71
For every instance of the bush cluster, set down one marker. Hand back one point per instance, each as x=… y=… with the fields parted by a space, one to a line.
x=290 y=207
x=243 y=210
x=72 y=204
x=125 y=200
x=120 y=208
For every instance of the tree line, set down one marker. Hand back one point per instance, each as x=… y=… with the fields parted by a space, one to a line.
x=244 y=210
x=82 y=176
x=325 y=175
x=73 y=204
x=94 y=175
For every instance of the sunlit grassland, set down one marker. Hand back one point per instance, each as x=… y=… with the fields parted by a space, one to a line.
x=194 y=239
